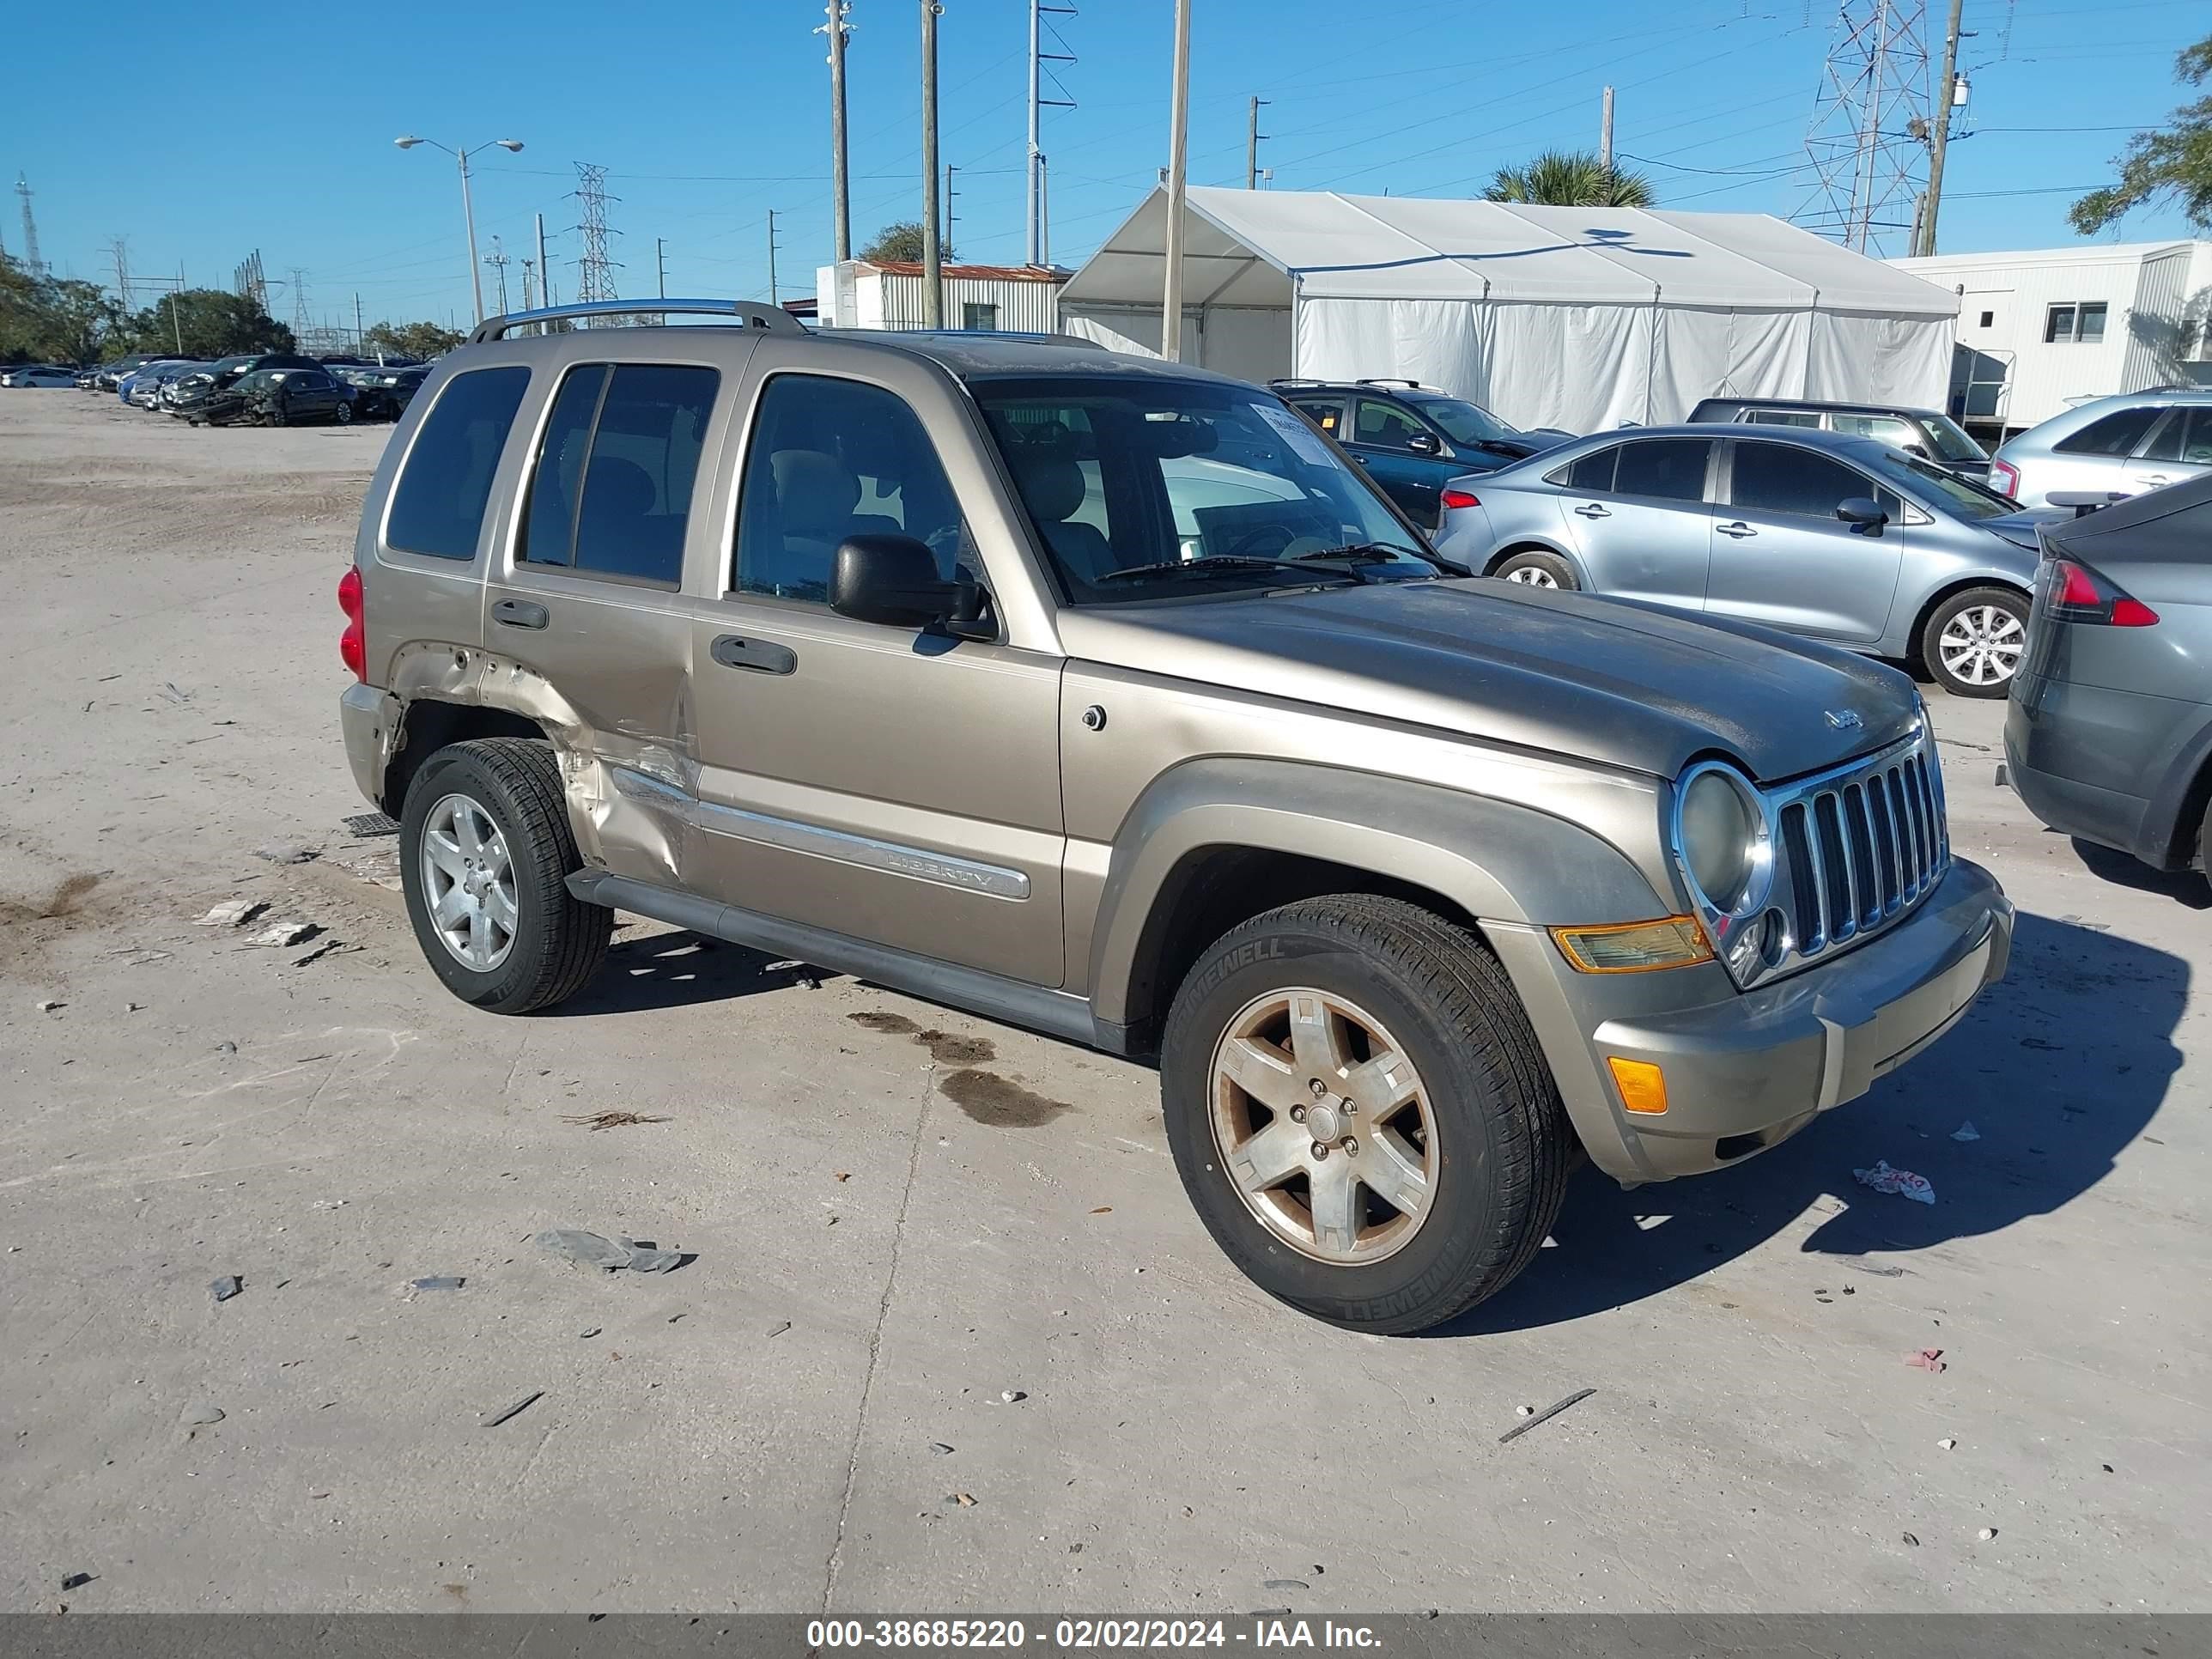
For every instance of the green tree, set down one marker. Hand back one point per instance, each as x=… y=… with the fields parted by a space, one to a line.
x=902 y=241
x=204 y=322
x=51 y=319
x=424 y=340
x=2175 y=162
x=1570 y=178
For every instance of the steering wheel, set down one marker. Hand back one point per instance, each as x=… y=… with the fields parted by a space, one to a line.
x=1295 y=544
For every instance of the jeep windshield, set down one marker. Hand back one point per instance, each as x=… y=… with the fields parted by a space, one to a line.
x=1148 y=487
x=1465 y=423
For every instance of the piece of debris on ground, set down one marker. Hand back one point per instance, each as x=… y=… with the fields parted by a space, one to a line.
x=226 y=1287
x=1927 y=1359
x=441 y=1282
x=278 y=934
x=1903 y=1182
x=493 y=1420
x=287 y=852
x=232 y=913
x=1545 y=1415
x=608 y=1255
x=614 y=1120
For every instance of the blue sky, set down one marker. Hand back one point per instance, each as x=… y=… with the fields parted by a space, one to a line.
x=271 y=126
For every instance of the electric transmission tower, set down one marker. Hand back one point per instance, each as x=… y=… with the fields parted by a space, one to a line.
x=32 y=263
x=118 y=248
x=1867 y=145
x=595 y=271
x=299 y=303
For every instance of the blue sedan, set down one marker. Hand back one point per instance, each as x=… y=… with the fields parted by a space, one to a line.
x=1842 y=539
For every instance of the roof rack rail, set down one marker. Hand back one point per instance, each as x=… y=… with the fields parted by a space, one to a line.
x=751 y=313
x=1295 y=379
x=1386 y=379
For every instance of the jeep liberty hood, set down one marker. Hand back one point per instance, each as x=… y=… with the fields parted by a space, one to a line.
x=1621 y=684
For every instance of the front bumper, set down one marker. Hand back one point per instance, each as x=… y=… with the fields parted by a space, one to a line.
x=1746 y=1070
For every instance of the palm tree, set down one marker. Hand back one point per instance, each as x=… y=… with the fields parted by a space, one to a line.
x=1570 y=178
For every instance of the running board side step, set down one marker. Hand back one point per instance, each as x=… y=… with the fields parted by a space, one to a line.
x=1056 y=1013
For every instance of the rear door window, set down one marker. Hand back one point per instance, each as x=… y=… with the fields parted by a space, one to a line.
x=1663 y=469
x=2117 y=434
x=1385 y=425
x=1327 y=413
x=2186 y=436
x=610 y=494
x=438 y=504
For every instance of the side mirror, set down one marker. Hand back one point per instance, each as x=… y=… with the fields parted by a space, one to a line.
x=1921 y=450
x=893 y=580
x=1862 y=513
x=1423 y=443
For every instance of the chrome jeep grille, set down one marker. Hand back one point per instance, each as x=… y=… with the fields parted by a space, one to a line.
x=1856 y=848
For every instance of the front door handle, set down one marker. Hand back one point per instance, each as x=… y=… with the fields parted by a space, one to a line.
x=2154 y=479
x=759 y=656
x=1739 y=530
x=1594 y=511
x=518 y=613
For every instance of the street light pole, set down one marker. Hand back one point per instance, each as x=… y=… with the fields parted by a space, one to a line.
x=407 y=140
x=1178 y=143
x=469 y=217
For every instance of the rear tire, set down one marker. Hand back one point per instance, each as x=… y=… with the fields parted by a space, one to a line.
x=551 y=943
x=1480 y=1121
x=1538 y=570
x=1973 y=642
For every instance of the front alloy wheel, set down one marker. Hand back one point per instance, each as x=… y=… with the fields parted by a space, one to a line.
x=1973 y=643
x=1323 y=1126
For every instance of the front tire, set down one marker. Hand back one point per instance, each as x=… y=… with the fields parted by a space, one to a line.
x=1973 y=642
x=1535 y=569
x=485 y=851
x=342 y=414
x=1361 y=1115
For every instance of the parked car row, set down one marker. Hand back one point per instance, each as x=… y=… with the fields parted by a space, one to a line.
x=259 y=388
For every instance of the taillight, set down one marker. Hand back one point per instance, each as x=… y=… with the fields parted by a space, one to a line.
x=1461 y=498
x=2078 y=594
x=2004 y=479
x=352 y=644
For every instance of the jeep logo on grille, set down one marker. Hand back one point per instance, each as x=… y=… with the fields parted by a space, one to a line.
x=1844 y=720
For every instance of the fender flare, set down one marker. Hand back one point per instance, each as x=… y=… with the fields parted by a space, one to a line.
x=1496 y=860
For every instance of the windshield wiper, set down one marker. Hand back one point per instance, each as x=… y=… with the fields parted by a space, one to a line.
x=1219 y=563
x=1380 y=553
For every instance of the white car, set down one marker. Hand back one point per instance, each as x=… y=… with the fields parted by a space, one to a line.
x=38 y=375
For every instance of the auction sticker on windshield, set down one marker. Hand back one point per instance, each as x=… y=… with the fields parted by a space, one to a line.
x=1304 y=443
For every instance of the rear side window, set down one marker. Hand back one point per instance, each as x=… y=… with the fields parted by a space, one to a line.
x=1781 y=418
x=2117 y=434
x=1663 y=469
x=610 y=492
x=1327 y=413
x=438 y=505
x=2186 y=436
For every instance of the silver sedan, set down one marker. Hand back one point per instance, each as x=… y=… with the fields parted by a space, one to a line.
x=1842 y=539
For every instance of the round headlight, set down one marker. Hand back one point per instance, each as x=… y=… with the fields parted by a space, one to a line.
x=1723 y=832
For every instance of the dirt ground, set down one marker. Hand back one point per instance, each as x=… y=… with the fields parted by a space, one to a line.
x=815 y=1411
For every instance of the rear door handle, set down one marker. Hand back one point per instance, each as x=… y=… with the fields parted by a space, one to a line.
x=518 y=613
x=1594 y=511
x=759 y=656
x=1739 y=530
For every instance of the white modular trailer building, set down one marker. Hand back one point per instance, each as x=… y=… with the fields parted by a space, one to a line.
x=2040 y=328
x=887 y=293
x=1577 y=318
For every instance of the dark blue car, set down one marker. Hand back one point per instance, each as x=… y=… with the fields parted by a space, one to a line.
x=1412 y=438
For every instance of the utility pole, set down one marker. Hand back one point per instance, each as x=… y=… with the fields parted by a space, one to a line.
x=837 y=29
x=1039 y=243
x=1946 y=94
x=660 y=264
x=1252 y=137
x=529 y=292
x=1604 y=132
x=545 y=271
x=932 y=261
x=945 y=243
x=359 y=336
x=497 y=260
x=774 y=295
x=1178 y=145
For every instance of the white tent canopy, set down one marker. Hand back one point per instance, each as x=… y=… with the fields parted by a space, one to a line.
x=1580 y=317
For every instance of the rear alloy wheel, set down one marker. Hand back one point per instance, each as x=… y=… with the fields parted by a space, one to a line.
x=1974 y=641
x=1538 y=570
x=1360 y=1113
x=485 y=853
